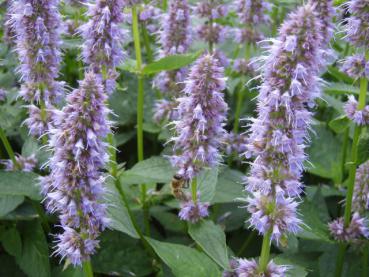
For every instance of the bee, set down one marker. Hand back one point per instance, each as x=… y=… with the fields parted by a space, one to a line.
x=178 y=183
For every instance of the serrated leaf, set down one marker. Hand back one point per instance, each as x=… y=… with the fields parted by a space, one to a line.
x=185 y=261
x=207 y=183
x=19 y=184
x=121 y=254
x=118 y=213
x=12 y=242
x=129 y=65
x=152 y=170
x=229 y=186
x=341 y=88
x=8 y=203
x=34 y=260
x=212 y=240
x=170 y=63
x=294 y=270
x=339 y=124
x=363 y=148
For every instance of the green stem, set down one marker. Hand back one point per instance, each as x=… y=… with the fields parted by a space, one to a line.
x=87 y=269
x=165 y=5
x=340 y=260
x=265 y=252
x=344 y=153
x=211 y=24
x=8 y=147
x=237 y=115
x=146 y=40
x=365 y=261
x=140 y=108
x=194 y=189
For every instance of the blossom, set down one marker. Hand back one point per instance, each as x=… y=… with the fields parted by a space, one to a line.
x=74 y=188
x=38 y=26
x=235 y=143
x=212 y=33
x=359 y=117
x=244 y=67
x=165 y=110
x=103 y=39
x=26 y=164
x=358 y=229
x=251 y=14
x=357 y=27
x=360 y=201
x=202 y=114
x=250 y=268
x=355 y=66
x=279 y=133
x=325 y=12
x=193 y=211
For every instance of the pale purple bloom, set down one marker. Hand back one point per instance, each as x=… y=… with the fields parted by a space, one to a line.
x=211 y=9
x=212 y=33
x=279 y=133
x=355 y=66
x=250 y=268
x=235 y=143
x=165 y=110
x=233 y=264
x=36 y=124
x=74 y=188
x=359 y=117
x=251 y=14
x=221 y=57
x=26 y=164
x=325 y=12
x=38 y=26
x=103 y=38
x=356 y=231
x=244 y=67
x=360 y=201
x=202 y=114
x=357 y=27
x=193 y=212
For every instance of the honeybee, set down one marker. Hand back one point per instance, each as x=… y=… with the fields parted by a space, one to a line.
x=178 y=183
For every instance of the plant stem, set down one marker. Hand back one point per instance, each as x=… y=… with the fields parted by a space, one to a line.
x=146 y=40
x=140 y=109
x=352 y=170
x=7 y=146
x=265 y=252
x=344 y=153
x=165 y=5
x=211 y=23
x=194 y=189
x=87 y=269
x=365 y=261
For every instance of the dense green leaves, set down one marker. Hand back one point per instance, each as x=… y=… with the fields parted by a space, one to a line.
x=19 y=184
x=212 y=240
x=12 y=242
x=9 y=202
x=207 y=183
x=339 y=124
x=185 y=261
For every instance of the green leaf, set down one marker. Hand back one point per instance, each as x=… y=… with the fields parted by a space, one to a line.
x=207 y=183
x=70 y=271
x=19 y=184
x=8 y=267
x=339 y=124
x=324 y=153
x=34 y=260
x=8 y=203
x=121 y=254
x=229 y=186
x=12 y=242
x=185 y=261
x=118 y=213
x=129 y=65
x=212 y=240
x=340 y=76
x=341 y=89
x=171 y=63
x=152 y=170
x=363 y=148
x=294 y=269
x=168 y=220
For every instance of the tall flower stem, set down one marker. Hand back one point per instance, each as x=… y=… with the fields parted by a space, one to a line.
x=344 y=153
x=265 y=251
x=365 y=261
x=194 y=189
x=165 y=5
x=146 y=40
x=87 y=269
x=7 y=146
x=352 y=170
x=140 y=107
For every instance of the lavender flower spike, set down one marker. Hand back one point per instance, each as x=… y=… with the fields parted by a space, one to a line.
x=360 y=202
x=250 y=268
x=357 y=27
x=103 y=38
x=202 y=114
x=278 y=134
x=325 y=12
x=75 y=186
x=38 y=26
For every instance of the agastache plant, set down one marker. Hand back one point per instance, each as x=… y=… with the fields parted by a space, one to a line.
x=74 y=189
x=202 y=114
x=175 y=38
x=103 y=39
x=37 y=26
x=279 y=133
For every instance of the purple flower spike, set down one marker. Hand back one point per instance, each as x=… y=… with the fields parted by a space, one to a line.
x=279 y=133
x=360 y=202
x=357 y=27
x=355 y=66
x=325 y=12
x=250 y=268
x=356 y=231
x=202 y=114
x=37 y=26
x=359 y=117
x=193 y=212
x=74 y=188
x=26 y=164
x=103 y=39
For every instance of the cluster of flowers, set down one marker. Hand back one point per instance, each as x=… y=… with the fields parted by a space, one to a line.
x=175 y=38
x=37 y=26
x=26 y=164
x=359 y=117
x=202 y=114
x=250 y=268
x=278 y=134
x=235 y=143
